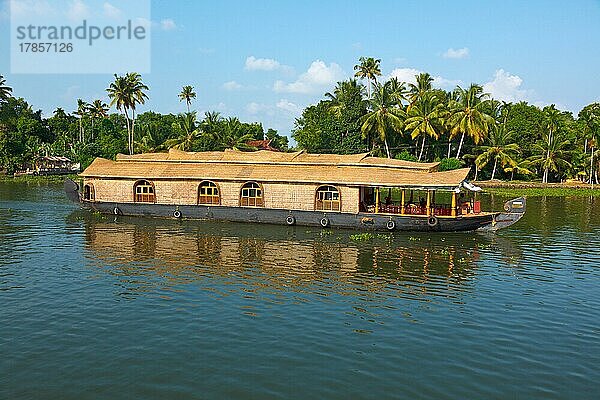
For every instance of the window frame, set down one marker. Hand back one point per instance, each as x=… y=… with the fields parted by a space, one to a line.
x=324 y=204
x=92 y=192
x=252 y=201
x=214 y=186
x=150 y=195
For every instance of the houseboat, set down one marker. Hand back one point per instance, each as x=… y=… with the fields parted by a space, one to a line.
x=325 y=190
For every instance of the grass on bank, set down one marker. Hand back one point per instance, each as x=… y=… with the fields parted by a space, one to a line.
x=541 y=192
x=39 y=179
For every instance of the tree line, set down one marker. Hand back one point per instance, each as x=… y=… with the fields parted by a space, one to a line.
x=461 y=127
x=91 y=130
x=387 y=118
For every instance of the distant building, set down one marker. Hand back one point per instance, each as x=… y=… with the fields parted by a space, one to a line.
x=50 y=165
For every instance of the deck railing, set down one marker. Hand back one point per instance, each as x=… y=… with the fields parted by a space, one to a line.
x=414 y=209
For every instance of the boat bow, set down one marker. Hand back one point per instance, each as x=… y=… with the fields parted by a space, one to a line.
x=514 y=211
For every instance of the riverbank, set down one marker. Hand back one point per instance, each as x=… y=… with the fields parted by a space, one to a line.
x=537 y=189
x=37 y=179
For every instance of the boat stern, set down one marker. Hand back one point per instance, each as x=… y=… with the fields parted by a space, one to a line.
x=72 y=190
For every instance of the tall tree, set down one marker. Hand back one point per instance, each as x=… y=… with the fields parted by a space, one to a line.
x=385 y=117
x=552 y=155
x=424 y=83
x=426 y=118
x=126 y=92
x=369 y=69
x=187 y=94
x=97 y=110
x=500 y=149
x=469 y=116
x=81 y=113
x=5 y=91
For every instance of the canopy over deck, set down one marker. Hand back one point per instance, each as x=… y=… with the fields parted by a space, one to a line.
x=267 y=166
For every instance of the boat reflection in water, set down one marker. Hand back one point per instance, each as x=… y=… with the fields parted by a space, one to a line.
x=161 y=255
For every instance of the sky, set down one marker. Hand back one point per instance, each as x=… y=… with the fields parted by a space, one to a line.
x=265 y=61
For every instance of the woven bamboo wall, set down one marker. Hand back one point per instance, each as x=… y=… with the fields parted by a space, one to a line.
x=276 y=195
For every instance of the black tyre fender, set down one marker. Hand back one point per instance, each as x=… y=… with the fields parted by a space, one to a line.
x=432 y=221
x=391 y=225
x=290 y=220
x=116 y=211
x=177 y=214
x=324 y=222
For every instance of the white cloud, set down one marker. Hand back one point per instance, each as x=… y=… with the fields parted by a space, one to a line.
x=456 y=53
x=111 y=11
x=168 y=24
x=506 y=87
x=288 y=106
x=318 y=76
x=408 y=75
x=256 y=108
x=78 y=11
x=261 y=64
x=232 y=85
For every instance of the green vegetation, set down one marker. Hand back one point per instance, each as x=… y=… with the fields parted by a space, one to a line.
x=91 y=131
x=541 y=192
x=464 y=127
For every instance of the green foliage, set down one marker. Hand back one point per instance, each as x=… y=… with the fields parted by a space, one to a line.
x=406 y=156
x=448 y=164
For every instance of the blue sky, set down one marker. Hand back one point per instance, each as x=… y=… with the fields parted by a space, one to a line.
x=266 y=60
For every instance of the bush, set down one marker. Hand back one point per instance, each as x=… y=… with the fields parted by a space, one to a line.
x=447 y=164
x=406 y=156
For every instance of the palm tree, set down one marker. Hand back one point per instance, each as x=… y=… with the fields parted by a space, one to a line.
x=126 y=92
x=521 y=168
x=97 y=109
x=500 y=148
x=81 y=112
x=398 y=90
x=469 y=116
x=552 y=155
x=426 y=118
x=188 y=130
x=343 y=93
x=187 y=94
x=590 y=118
x=385 y=117
x=368 y=69
x=423 y=85
x=5 y=91
x=230 y=134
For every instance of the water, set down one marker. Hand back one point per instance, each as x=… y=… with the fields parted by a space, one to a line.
x=93 y=307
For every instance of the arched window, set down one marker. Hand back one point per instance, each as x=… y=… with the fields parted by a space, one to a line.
x=208 y=193
x=89 y=194
x=251 y=195
x=328 y=199
x=143 y=192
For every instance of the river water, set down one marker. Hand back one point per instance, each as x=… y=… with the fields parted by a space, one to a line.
x=97 y=307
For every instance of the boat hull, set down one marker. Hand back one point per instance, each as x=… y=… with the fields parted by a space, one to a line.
x=360 y=221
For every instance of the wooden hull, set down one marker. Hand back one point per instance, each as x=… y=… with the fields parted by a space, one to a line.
x=360 y=221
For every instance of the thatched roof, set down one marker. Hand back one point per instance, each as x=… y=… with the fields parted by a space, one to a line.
x=267 y=166
x=269 y=157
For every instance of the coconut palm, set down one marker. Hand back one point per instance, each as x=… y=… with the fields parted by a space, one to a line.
x=520 y=168
x=398 y=90
x=188 y=130
x=500 y=149
x=187 y=94
x=426 y=117
x=553 y=154
x=230 y=134
x=126 y=92
x=589 y=116
x=385 y=117
x=368 y=69
x=97 y=109
x=423 y=85
x=342 y=95
x=469 y=117
x=5 y=91
x=81 y=113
